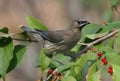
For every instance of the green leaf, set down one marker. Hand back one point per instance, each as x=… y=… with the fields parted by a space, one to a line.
x=113 y=58
x=92 y=69
x=95 y=36
x=62 y=58
x=117 y=42
x=113 y=2
x=89 y=58
x=5 y=41
x=44 y=60
x=110 y=26
x=116 y=73
x=75 y=48
x=19 y=51
x=34 y=23
x=65 y=67
x=107 y=49
x=6 y=54
x=69 y=78
x=4 y=30
x=108 y=16
x=89 y=29
x=94 y=77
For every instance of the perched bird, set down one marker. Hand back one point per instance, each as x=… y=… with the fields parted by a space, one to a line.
x=58 y=41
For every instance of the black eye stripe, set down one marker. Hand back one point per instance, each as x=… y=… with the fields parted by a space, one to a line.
x=81 y=22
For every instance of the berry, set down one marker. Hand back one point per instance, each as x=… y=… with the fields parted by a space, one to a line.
x=110 y=67
x=50 y=71
x=110 y=71
x=105 y=62
x=59 y=74
x=99 y=54
x=103 y=59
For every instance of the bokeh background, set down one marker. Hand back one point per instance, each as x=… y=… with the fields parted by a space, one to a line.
x=55 y=14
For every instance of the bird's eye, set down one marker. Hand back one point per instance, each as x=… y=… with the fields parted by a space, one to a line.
x=79 y=22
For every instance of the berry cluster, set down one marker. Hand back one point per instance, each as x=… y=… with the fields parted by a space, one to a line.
x=110 y=70
x=56 y=76
x=105 y=62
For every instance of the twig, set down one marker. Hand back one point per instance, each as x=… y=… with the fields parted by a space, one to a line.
x=25 y=40
x=93 y=43
x=116 y=10
x=51 y=75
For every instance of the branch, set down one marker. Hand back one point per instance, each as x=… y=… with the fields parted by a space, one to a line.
x=51 y=75
x=93 y=43
x=29 y=40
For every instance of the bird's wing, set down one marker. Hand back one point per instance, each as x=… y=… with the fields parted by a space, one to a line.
x=52 y=36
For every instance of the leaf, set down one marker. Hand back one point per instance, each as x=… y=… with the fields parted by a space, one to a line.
x=75 y=48
x=44 y=60
x=34 y=23
x=60 y=57
x=95 y=36
x=19 y=51
x=113 y=2
x=89 y=29
x=6 y=54
x=113 y=58
x=116 y=72
x=4 y=30
x=92 y=69
x=89 y=58
x=69 y=78
x=94 y=77
x=110 y=26
x=5 y=41
x=108 y=16
x=117 y=42
x=65 y=67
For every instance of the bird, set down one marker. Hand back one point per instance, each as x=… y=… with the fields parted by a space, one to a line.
x=58 y=41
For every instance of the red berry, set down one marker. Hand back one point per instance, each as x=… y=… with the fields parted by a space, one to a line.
x=103 y=59
x=99 y=54
x=59 y=74
x=110 y=67
x=50 y=71
x=105 y=62
x=110 y=71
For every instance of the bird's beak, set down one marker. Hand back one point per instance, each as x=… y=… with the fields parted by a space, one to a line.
x=84 y=24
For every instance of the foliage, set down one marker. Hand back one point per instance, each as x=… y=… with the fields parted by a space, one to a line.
x=10 y=55
x=89 y=64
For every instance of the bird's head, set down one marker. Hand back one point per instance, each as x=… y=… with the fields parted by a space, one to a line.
x=80 y=24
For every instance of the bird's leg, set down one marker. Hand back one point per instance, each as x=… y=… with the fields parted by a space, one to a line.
x=55 y=58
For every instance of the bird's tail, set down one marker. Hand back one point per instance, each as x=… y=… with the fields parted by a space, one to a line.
x=31 y=33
